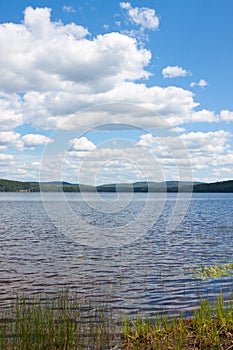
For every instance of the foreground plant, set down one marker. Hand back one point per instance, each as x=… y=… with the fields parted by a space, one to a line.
x=63 y=322
x=210 y=328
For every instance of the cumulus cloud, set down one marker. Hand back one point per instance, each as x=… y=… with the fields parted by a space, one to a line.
x=15 y=168
x=11 y=138
x=226 y=116
x=10 y=111
x=81 y=144
x=142 y=16
x=35 y=140
x=114 y=164
x=147 y=140
x=204 y=150
x=204 y=115
x=174 y=72
x=42 y=55
x=201 y=83
x=8 y=138
x=210 y=142
x=51 y=109
x=80 y=78
x=52 y=72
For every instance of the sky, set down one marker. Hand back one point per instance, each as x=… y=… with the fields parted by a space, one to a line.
x=114 y=91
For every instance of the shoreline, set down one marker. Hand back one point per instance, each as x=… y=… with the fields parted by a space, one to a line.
x=66 y=322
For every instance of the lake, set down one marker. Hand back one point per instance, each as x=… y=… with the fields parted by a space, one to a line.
x=119 y=250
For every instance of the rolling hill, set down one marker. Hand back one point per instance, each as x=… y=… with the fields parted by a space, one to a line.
x=169 y=186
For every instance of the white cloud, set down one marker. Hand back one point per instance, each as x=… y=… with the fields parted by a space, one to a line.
x=36 y=164
x=210 y=142
x=223 y=172
x=8 y=138
x=81 y=144
x=5 y=157
x=142 y=16
x=223 y=159
x=147 y=140
x=208 y=150
x=204 y=116
x=201 y=83
x=68 y=9
x=10 y=114
x=125 y=5
x=114 y=165
x=35 y=45
x=35 y=140
x=80 y=78
x=174 y=72
x=52 y=73
x=205 y=150
x=226 y=116
x=15 y=168
x=178 y=130
x=47 y=110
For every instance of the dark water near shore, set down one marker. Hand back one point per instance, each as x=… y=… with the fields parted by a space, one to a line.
x=149 y=273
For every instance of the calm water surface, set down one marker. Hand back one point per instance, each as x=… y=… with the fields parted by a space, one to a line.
x=151 y=273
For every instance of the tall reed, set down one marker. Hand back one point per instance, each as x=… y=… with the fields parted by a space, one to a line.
x=65 y=322
x=62 y=322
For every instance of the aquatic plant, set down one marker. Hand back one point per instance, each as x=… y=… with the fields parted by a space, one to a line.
x=214 y=271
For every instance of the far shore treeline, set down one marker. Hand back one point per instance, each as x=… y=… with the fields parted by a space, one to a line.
x=169 y=186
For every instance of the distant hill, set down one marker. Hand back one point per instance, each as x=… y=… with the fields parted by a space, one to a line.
x=18 y=186
x=169 y=186
x=56 y=183
x=51 y=186
x=223 y=186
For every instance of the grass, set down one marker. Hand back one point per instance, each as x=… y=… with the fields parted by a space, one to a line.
x=211 y=327
x=65 y=322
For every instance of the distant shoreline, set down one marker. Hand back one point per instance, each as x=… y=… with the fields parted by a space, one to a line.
x=138 y=187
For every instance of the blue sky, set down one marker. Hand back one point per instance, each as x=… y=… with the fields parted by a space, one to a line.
x=69 y=68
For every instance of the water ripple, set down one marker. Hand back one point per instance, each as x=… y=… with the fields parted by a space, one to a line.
x=148 y=275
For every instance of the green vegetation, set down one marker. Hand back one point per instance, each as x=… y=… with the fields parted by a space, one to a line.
x=64 y=322
x=55 y=186
x=169 y=186
x=17 y=186
x=61 y=322
x=214 y=271
x=224 y=186
x=210 y=328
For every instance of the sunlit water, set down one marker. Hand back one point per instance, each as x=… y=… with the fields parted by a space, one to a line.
x=150 y=273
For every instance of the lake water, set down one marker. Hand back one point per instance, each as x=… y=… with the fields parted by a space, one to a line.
x=148 y=269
